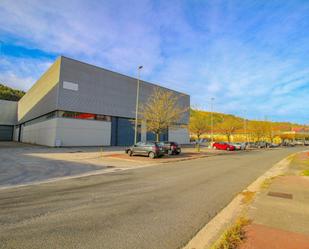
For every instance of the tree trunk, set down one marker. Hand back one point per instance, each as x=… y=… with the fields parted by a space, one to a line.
x=228 y=137
x=198 y=144
x=157 y=137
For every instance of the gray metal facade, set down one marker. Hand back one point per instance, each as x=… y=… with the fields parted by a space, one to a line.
x=45 y=105
x=100 y=91
x=8 y=112
x=104 y=92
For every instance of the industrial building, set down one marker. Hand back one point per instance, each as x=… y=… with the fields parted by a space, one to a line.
x=8 y=118
x=78 y=104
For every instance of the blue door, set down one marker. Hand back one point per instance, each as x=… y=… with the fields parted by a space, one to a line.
x=152 y=137
x=123 y=132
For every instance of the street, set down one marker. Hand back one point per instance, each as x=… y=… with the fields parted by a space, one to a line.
x=158 y=207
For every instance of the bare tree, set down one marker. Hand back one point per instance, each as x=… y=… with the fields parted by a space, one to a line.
x=260 y=129
x=199 y=124
x=229 y=126
x=161 y=110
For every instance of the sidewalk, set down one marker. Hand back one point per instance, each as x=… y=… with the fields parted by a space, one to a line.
x=280 y=212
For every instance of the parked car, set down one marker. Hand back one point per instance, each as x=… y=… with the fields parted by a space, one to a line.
x=171 y=148
x=262 y=144
x=223 y=146
x=202 y=141
x=297 y=142
x=288 y=144
x=240 y=146
x=151 y=149
x=273 y=145
x=236 y=145
x=252 y=145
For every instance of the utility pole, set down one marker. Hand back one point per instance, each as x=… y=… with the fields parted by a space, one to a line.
x=136 y=105
x=212 y=120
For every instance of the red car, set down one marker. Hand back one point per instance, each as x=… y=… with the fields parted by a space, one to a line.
x=223 y=146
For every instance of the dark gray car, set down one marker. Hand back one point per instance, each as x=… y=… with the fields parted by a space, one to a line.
x=151 y=149
x=171 y=148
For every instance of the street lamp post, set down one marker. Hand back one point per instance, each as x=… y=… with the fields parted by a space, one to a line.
x=212 y=120
x=136 y=105
x=245 y=127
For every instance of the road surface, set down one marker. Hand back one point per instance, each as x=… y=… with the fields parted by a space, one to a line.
x=158 y=207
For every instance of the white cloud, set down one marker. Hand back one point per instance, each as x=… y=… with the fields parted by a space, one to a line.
x=247 y=55
x=21 y=73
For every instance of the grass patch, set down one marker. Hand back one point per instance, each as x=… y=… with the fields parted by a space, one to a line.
x=305 y=172
x=266 y=183
x=247 y=197
x=233 y=236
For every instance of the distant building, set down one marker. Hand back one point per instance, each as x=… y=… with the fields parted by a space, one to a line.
x=77 y=104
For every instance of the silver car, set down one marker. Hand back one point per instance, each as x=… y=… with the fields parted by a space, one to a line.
x=240 y=146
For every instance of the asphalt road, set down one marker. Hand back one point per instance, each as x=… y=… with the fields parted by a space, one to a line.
x=18 y=165
x=159 y=207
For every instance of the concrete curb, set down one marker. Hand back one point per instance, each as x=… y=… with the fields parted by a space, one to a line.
x=212 y=231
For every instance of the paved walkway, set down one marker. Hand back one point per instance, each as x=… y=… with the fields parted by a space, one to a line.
x=280 y=213
x=25 y=163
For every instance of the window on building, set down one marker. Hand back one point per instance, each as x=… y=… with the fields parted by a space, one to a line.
x=81 y=115
x=77 y=115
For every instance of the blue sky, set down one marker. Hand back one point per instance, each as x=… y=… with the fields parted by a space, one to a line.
x=251 y=56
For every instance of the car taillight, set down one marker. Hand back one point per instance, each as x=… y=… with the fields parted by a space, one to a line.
x=156 y=148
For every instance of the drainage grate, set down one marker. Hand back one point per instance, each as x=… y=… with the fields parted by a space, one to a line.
x=280 y=195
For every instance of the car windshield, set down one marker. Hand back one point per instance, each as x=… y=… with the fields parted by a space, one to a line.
x=151 y=143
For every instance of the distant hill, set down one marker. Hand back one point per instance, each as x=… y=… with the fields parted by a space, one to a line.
x=282 y=126
x=8 y=93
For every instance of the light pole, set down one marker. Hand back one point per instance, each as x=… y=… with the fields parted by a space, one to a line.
x=136 y=105
x=245 y=127
x=212 y=120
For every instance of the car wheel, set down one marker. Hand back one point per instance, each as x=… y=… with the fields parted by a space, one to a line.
x=151 y=155
x=130 y=152
x=228 y=148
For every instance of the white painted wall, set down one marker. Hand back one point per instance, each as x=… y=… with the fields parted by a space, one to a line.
x=71 y=132
x=179 y=135
x=78 y=132
x=43 y=133
x=16 y=133
x=8 y=112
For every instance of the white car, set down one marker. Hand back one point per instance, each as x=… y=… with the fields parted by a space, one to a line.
x=240 y=146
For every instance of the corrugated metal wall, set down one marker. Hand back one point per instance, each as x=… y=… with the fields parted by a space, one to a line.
x=43 y=95
x=104 y=92
x=8 y=112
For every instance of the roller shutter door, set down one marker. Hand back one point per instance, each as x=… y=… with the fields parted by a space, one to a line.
x=123 y=132
x=6 y=133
